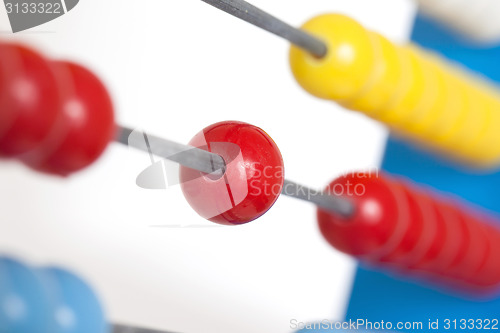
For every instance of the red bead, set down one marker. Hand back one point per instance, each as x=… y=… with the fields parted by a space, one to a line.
x=406 y=230
x=253 y=179
x=85 y=127
x=414 y=232
x=29 y=99
x=459 y=245
x=488 y=272
x=477 y=252
x=451 y=243
x=433 y=234
x=374 y=226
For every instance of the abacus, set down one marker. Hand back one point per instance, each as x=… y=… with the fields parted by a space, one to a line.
x=412 y=241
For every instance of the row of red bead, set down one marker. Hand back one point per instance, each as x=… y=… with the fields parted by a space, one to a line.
x=406 y=229
x=56 y=117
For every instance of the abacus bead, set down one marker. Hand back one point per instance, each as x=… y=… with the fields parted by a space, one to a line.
x=413 y=232
x=411 y=100
x=431 y=240
x=253 y=179
x=489 y=275
x=86 y=125
x=24 y=304
x=457 y=240
x=360 y=68
x=348 y=66
x=375 y=221
x=76 y=308
x=390 y=71
x=29 y=99
x=477 y=250
x=451 y=241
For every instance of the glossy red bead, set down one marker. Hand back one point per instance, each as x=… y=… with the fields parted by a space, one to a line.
x=86 y=124
x=375 y=221
x=253 y=179
x=29 y=99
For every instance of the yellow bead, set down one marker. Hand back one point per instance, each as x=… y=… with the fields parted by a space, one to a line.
x=347 y=68
x=442 y=113
x=445 y=129
x=386 y=81
x=415 y=93
x=418 y=101
x=486 y=148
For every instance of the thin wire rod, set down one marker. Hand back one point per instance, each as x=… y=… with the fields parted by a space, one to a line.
x=208 y=162
x=130 y=329
x=253 y=15
x=188 y=156
x=321 y=199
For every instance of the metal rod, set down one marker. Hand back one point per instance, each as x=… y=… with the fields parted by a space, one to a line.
x=188 y=156
x=253 y=15
x=208 y=162
x=130 y=329
x=321 y=199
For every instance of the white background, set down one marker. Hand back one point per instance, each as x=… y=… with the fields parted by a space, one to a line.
x=174 y=67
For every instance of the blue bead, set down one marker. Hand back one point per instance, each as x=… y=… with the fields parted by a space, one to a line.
x=24 y=303
x=76 y=307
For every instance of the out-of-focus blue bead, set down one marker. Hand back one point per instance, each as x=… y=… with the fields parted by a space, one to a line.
x=24 y=306
x=76 y=306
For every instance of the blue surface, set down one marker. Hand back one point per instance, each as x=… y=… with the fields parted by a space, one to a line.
x=376 y=296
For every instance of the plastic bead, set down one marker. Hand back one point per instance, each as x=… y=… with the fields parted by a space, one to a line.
x=489 y=272
x=407 y=230
x=23 y=299
x=253 y=179
x=76 y=308
x=86 y=126
x=418 y=234
x=412 y=91
x=448 y=244
x=29 y=99
x=375 y=222
x=349 y=65
x=390 y=72
x=47 y=300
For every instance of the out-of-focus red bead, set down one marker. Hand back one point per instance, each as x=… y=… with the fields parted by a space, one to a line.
x=477 y=251
x=433 y=236
x=253 y=179
x=412 y=236
x=488 y=274
x=452 y=240
x=375 y=221
x=85 y=127
x=29 y=99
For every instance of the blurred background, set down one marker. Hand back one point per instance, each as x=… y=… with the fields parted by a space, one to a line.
x=173 y=68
